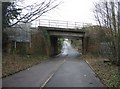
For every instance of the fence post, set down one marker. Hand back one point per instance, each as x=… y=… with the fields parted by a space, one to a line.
x=39 y=22
x=75 y=24
x=49 y=23
x=30 y=39
x=15 y=44
x=35 y=23
x=67 y=24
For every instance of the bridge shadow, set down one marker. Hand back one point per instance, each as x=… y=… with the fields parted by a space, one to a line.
x=68 y=52
x=55 y=34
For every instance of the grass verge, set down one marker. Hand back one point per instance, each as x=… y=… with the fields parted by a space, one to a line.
x=107 y=72
x=12 y=63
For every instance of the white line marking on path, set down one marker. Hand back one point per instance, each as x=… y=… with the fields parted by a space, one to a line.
x=43 y=85
x=47 y=80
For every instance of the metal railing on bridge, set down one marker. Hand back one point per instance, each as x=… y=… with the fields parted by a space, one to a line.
x=59 y=23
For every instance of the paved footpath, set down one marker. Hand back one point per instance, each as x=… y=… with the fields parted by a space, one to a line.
x=67 y=70
x=34 y=76
x=74 y=73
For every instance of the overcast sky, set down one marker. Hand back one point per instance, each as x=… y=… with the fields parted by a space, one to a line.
x=72 y=10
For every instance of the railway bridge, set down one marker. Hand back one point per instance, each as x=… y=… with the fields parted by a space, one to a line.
x=57 y=29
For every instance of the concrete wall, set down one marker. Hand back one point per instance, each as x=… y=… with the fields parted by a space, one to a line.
x=54 y=45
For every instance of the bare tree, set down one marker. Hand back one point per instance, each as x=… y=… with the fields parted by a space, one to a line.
x=31 y=12
x=16 y=12
x=108 y=16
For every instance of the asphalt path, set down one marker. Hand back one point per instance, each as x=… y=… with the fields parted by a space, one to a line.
x=74 y=72
x=65 y=70
x=34 y=76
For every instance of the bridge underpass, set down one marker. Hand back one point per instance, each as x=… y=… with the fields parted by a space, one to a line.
x=67 y=73
x=55 y=33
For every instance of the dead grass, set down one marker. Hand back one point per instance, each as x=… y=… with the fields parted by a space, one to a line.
x=107 y=72
x=15 y=63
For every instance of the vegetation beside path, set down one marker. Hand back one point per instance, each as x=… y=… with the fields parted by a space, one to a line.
x=100 y=55
x=106 y=71
x=13 y=63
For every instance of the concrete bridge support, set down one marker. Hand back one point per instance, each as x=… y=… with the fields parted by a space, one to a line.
x=84 y=44
x=55 y=32
x=54 y=45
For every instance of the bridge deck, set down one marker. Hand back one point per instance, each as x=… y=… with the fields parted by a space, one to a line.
x=62 y=29
x=55 y=31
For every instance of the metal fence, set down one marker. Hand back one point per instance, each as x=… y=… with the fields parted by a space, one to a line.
x=59 y=23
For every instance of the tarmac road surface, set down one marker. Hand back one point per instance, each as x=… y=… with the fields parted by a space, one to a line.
x=67 y=70
x=74 y=72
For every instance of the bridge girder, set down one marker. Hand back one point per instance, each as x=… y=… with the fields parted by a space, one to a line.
x=63 y=32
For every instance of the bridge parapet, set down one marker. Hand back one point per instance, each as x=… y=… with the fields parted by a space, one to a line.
x=63 y=32
x=56 y=32
x=59 y=24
